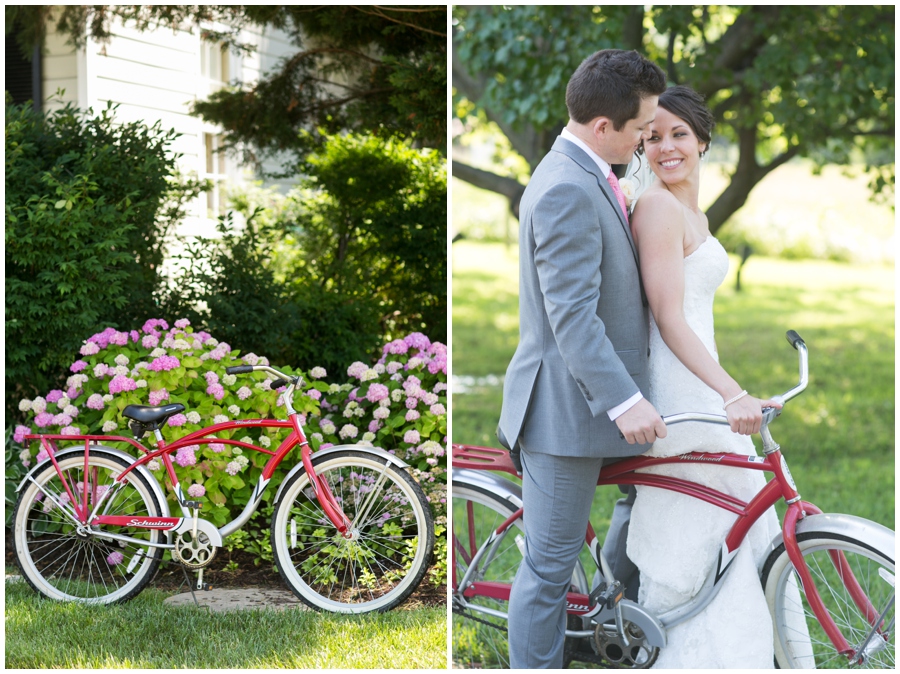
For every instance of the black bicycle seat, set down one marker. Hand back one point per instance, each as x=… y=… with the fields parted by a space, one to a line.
x=152 y=415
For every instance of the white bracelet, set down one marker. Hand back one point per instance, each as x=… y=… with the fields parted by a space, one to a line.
x=735 y=399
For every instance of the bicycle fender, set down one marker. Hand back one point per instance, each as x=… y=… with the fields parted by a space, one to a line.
x=502 y=487
x=340 y=448
x=151 y=480
x=841 y=525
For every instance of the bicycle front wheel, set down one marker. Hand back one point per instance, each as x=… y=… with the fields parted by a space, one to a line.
x=392 y=542
x=840 y=566
x=480 y=636
x=64 y=561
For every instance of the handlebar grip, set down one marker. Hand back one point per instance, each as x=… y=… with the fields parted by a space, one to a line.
x=278 y=383
x=239 y=369
x=794 y=339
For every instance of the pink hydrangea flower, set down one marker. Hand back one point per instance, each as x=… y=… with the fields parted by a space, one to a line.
x=251 y=359
x=70 y=430
x=244 y=393
x=20 y=433
x=54 y=396
x=439 y=364
x=115 y=558
x=42 y=456
x=185 y=456
x=182 y=323
x=121 y=383
x=217 y=447
x=315 y=394
x=62 y=420
x=211 y=377
x=416 y=340
x=217 y=391
x=150 y=327
x=317 y=372
x=89 y=349
x=78 y=366
x=43 y=420
x=412 y=415
x=397 y=347
x=156 y=397
x=412 y=437
x=135 y=336
x=438 y=409
x=374 y=426
x=150 y=341
x=233 y=468
x=411 y=403
x=357 y=370
x=119 y=338
x=196 y=490
x=164 y=363
x=177 y=420
x=377 y=392
x=101 y=370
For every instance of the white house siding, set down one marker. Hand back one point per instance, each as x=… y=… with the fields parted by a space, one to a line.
x=156 y=76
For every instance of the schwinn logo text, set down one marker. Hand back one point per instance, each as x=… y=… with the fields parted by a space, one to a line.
x=577 y=607
x=148 y=523
x=711 y=459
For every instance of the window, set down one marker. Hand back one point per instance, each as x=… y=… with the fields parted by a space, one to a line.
x=215 y=172
x=214 y=64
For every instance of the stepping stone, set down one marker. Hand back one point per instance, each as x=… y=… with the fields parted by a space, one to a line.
x=231 y=599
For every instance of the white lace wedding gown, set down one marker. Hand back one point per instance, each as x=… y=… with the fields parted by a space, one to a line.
x=674 y=539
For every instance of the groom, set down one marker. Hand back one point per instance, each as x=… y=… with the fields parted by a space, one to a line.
x=575 y=381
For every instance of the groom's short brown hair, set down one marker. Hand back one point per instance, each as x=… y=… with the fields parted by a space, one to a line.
x=611 y=83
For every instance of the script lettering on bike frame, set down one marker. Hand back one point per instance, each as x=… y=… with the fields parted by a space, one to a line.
x=249 y=422
x=711 y=459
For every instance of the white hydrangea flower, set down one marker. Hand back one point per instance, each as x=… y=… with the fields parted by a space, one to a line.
x=212 y=342
x=368 y=437
x=349 y=431
x=379 y=368
x=229 y=379
x=263 y=361
x=414 y=363
x=157 y=352
x=141 y=383
x=204 y=356
x=242 y=461
x=359 y=412
x=108 y=398
x=70 y=411
x=265 y=441
x=197 y=344
x=237 y=451
x=317 y=372
x=193 y=417
x=121 y=370
x=110 y=426
x=317 y=437
x=328 y=428
x=168 y=343
x=334 y=388
x=234 y=410
x=220 y=419
x=180 y=344
x=63 y=402
x=38 y=405
x=247 y=439
x=396 y=395
x=346 y=387
x=122 y=359
x=154 y=464
x=369 y=375
x=25 y=404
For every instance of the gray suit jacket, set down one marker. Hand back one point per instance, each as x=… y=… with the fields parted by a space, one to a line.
x=583 y=323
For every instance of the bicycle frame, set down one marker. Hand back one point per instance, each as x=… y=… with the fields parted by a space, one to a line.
x=164 y=452
x=626 y=472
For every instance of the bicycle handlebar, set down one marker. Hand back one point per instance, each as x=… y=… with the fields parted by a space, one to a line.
x=769 y=413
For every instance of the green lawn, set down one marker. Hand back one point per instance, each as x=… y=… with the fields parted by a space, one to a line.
x=144 y=633
x=838 y=436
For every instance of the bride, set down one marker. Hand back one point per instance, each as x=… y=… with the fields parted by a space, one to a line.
x=674 y=539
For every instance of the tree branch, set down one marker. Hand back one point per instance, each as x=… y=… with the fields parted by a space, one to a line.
x=511 y=188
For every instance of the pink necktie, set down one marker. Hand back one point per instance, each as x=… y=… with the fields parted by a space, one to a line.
x=614 y=183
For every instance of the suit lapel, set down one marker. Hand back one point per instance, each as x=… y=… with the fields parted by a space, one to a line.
x=579 y=156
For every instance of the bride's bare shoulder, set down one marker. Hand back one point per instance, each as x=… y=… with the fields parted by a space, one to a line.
x=658 y=209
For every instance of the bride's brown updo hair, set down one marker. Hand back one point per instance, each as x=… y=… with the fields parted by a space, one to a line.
x=687 y=104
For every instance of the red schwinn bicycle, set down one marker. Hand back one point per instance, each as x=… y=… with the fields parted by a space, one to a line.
x=351 y=532
x=829 y=580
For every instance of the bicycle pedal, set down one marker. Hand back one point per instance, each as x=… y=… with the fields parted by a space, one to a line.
x=206 y=587
x=192 y=504
x=607 y=596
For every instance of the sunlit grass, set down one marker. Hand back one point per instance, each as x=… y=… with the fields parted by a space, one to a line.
x=147 y=634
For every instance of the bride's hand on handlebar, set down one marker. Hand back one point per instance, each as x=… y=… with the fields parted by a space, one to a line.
x=745 y=415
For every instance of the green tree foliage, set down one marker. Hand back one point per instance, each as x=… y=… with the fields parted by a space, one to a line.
x=783 y=81
x=89 y=204
x=368 y=68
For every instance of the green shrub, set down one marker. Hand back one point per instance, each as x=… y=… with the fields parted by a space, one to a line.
x=89 y=203
x=399 y=404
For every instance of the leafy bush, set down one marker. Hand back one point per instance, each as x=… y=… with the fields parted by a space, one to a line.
x=398 y=404
x=89 y=204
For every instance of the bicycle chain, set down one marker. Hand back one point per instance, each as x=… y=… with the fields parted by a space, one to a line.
x=470 y=616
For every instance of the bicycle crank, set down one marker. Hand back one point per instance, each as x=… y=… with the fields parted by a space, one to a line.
x=194 y=551
x=631 y=651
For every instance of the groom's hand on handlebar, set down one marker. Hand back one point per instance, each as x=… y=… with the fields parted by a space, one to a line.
x=641 y=424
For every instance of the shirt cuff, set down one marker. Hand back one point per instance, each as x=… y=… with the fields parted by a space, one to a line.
x=619 y=410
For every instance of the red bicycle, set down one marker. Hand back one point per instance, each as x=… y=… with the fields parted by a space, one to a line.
x=351 y=532
x=828 y=581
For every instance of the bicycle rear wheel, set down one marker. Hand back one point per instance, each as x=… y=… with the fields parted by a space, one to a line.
x=393 y=535
x=872 y=567
x=479 y=638
x=63 y=561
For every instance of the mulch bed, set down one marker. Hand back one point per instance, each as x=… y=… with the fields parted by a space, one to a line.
x=170 y=577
